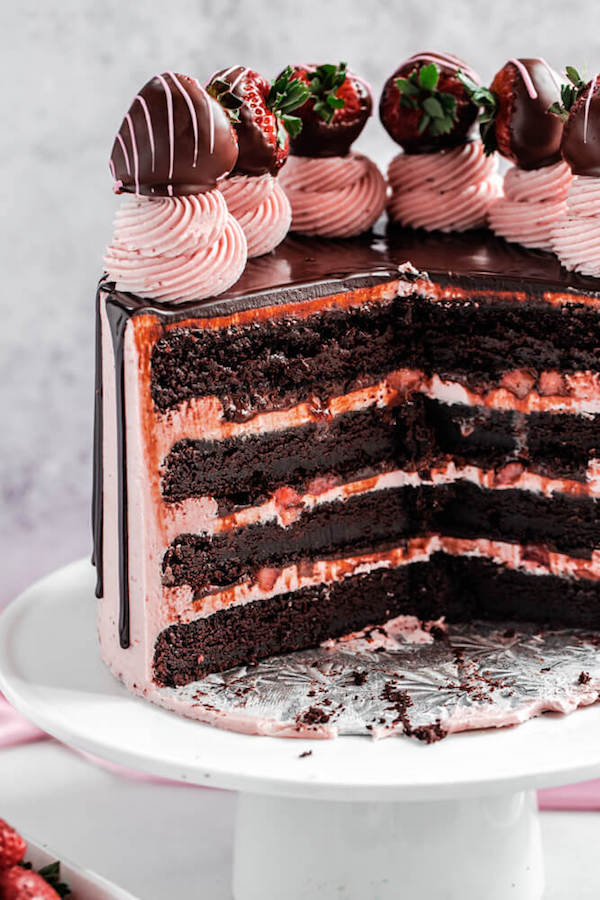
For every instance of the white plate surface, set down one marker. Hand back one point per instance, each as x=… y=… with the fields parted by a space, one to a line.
x=84 y=884
x=50 y=669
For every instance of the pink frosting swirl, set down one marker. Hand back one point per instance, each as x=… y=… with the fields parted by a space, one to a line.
x=533 y=200
x=335 y=196
x=576 y=236
x=261 y=207
x=175 y=248
x=450 y=190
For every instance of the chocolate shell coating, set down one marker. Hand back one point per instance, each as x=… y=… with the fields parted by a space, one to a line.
x=319 y=138
x=257 y=155
x=175 y=140
x=535 y=134
x=580 y=144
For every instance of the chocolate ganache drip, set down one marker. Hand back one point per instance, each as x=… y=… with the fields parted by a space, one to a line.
x=175 y=140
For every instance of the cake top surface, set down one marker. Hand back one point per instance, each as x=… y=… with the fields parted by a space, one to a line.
x=299 y=264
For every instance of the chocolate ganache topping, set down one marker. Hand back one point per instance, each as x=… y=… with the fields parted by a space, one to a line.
x=524 y=129
x=175 y=140
x=581 y=137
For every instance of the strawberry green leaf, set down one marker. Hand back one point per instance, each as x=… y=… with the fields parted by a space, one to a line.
x=429 y=77
x=323 y=85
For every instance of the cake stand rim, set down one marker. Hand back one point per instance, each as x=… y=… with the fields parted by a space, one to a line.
x=404 y=769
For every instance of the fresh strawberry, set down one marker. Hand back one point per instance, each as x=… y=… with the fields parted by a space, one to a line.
x=20 y=883
x=516 y=116
x=425 y=107
x=260 y=114
x=12 y=846
x=337 y=107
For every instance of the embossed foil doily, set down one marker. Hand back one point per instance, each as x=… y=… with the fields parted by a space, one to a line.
x=404 y=679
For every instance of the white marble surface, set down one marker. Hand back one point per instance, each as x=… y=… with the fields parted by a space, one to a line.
x=171 y=841
x=71 y=68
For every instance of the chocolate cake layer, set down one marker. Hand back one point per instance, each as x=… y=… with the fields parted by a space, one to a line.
x=330 y=529
x=555 y=444
x=275 y=363
x=247 y=470
x=459 y=588
x=484 y=339
x=368 y=521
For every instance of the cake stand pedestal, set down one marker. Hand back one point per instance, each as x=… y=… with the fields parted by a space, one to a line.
x=351 y=817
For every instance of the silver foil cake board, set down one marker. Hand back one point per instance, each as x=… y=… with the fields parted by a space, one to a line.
x=402 y=678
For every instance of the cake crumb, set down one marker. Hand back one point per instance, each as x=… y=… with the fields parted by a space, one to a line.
x=305 y=754
x=584 y=678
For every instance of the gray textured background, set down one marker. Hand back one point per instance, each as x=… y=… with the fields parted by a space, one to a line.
x=71 y=69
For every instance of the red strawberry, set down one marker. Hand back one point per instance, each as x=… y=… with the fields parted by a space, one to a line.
x=12 y=846
x=337 y=107
x=517 y=109
x=25 y=884
x=425 y=106
x=260 y=114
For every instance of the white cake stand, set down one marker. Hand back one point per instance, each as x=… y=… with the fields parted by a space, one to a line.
x=356 y=818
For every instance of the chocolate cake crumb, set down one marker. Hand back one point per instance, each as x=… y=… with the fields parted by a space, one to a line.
x=305 y=754
x=313 y=716
x=584 y=678
x=359 y=678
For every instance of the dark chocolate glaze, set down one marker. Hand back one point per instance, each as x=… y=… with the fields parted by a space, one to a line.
x=580 y=144
x=97 y=505
x=305 y=268
x=319 y=138
x=257 y=154
x=535 y=134
x=176 y=137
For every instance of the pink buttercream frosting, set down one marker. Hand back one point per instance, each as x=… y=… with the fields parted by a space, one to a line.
x=175 y=248
x=576 y=236
x=261 y=207
x=335 y=196
x=533 y=201
x=450 y=190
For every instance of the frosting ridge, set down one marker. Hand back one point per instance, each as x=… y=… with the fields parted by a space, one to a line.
x=449 y=190
x=576 y=236
x=262 y=209
x=335 y=196
x=175 y=248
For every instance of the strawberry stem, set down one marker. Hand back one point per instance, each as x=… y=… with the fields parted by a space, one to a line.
x=286 y=95
x=419 y=91
x=487 y=102
x=323 y=85
x=569 y=93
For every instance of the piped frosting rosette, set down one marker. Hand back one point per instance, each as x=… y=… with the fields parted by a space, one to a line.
x=533 y=201
x=576 y=236
x=335 y=196
x=175 y=248
x=262 y=209
x=449 y=190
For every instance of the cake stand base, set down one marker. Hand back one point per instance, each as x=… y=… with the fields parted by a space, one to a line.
x=350 y=818
x=469 y=849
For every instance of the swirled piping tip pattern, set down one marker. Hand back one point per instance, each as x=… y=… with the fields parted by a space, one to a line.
x=335 y=196
x=576 y=236
x=175 y=248
x=534 y=199
x=261 y=207
x=451 y=190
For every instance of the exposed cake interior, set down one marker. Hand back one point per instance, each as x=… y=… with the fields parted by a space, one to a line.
x=357 y=431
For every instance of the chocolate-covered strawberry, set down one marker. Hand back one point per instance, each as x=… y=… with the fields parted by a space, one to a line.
x=516 y=119
x=261 y=115
x=425 y=106
x=580 y=145
x=336 y=109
